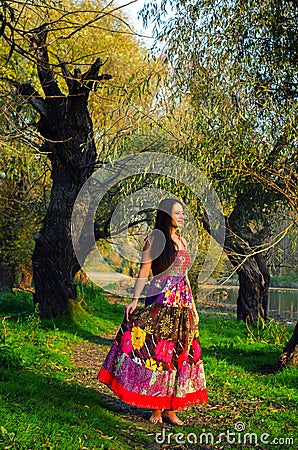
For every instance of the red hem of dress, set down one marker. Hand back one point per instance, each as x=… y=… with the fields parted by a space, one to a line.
x=147 y=401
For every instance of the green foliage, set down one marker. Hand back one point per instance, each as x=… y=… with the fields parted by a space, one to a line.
x=79 y=32
x=24 y=193
x=9 y=358
x=22 y=307
x=49 y=402
x=266 y=332
x=235 y=64
x=288 y=280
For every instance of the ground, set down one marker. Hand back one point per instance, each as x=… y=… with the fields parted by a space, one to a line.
x=89 y=357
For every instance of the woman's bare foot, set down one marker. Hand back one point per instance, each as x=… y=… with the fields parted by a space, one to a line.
x=171 y=416
x=156 y=416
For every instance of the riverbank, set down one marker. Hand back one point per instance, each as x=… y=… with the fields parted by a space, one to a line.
x=50 y=397
x=282 y=302
x=235 y=286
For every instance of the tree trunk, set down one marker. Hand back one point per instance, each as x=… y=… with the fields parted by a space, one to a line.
x=66 y=127
x=53 y=260
x=7 y=277
x=289 y=356
x=253 y=273
x=253 y=290
x=241 y=247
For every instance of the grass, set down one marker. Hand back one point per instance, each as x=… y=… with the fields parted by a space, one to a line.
x=287 y=280
x=49 y=402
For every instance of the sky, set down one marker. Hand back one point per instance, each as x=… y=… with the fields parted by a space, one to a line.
x=131 y=9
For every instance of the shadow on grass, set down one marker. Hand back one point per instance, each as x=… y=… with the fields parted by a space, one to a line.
x=91 y=325
x=113 y=402
x=259 y=362
x=71 y=326
x=52 y=406
x=249 y=360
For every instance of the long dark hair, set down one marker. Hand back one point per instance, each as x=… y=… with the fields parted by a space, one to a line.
x=163 y=223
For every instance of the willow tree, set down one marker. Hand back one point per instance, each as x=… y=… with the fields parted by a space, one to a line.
x=236 y=63
x=23 y=198
x=67 y=130
x=59 y=125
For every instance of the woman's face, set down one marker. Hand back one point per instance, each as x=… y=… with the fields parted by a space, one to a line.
x=177 y=215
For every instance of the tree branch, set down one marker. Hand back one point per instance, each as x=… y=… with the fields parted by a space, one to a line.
x=79 y=84
x=68 y=77
x=90 y=79
x=46 y=76
x=30 y=94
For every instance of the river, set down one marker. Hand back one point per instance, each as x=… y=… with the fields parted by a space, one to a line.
x=282 y=302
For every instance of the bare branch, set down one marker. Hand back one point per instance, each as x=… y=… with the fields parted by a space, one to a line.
x=82 y=83
x=32 y=96
x=46 y=76
x=67 y=75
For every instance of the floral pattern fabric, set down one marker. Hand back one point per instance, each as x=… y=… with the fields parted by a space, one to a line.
x=156 y=361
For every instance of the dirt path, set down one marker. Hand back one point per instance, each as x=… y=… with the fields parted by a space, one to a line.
x=89 y=357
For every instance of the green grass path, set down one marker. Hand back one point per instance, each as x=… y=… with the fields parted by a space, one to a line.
x=50 y=399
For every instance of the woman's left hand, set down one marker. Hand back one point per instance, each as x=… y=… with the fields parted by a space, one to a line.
x=130 y=308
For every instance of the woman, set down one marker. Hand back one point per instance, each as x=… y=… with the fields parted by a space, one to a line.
x=155 y=361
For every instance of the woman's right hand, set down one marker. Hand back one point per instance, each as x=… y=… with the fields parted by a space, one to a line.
x=130 y=308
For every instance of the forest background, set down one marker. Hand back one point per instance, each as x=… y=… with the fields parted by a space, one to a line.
x=218 y=87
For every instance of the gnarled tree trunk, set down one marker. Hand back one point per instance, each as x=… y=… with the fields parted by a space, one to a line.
x=289 y=356
x=253 y=276
x=66 y=127
x=241 y=247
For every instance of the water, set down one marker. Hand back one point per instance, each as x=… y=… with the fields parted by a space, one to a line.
x=282 y=303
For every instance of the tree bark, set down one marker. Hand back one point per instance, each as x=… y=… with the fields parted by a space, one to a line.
x=289 y=356
x=67 y=129
x=241 y=247
x=254 y=278
x=7 y=277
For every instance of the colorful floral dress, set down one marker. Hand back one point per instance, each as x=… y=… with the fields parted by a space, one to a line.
x=155 y=361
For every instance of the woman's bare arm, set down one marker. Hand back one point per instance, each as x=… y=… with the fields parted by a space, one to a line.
x=141 y=280
x=193 y=305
